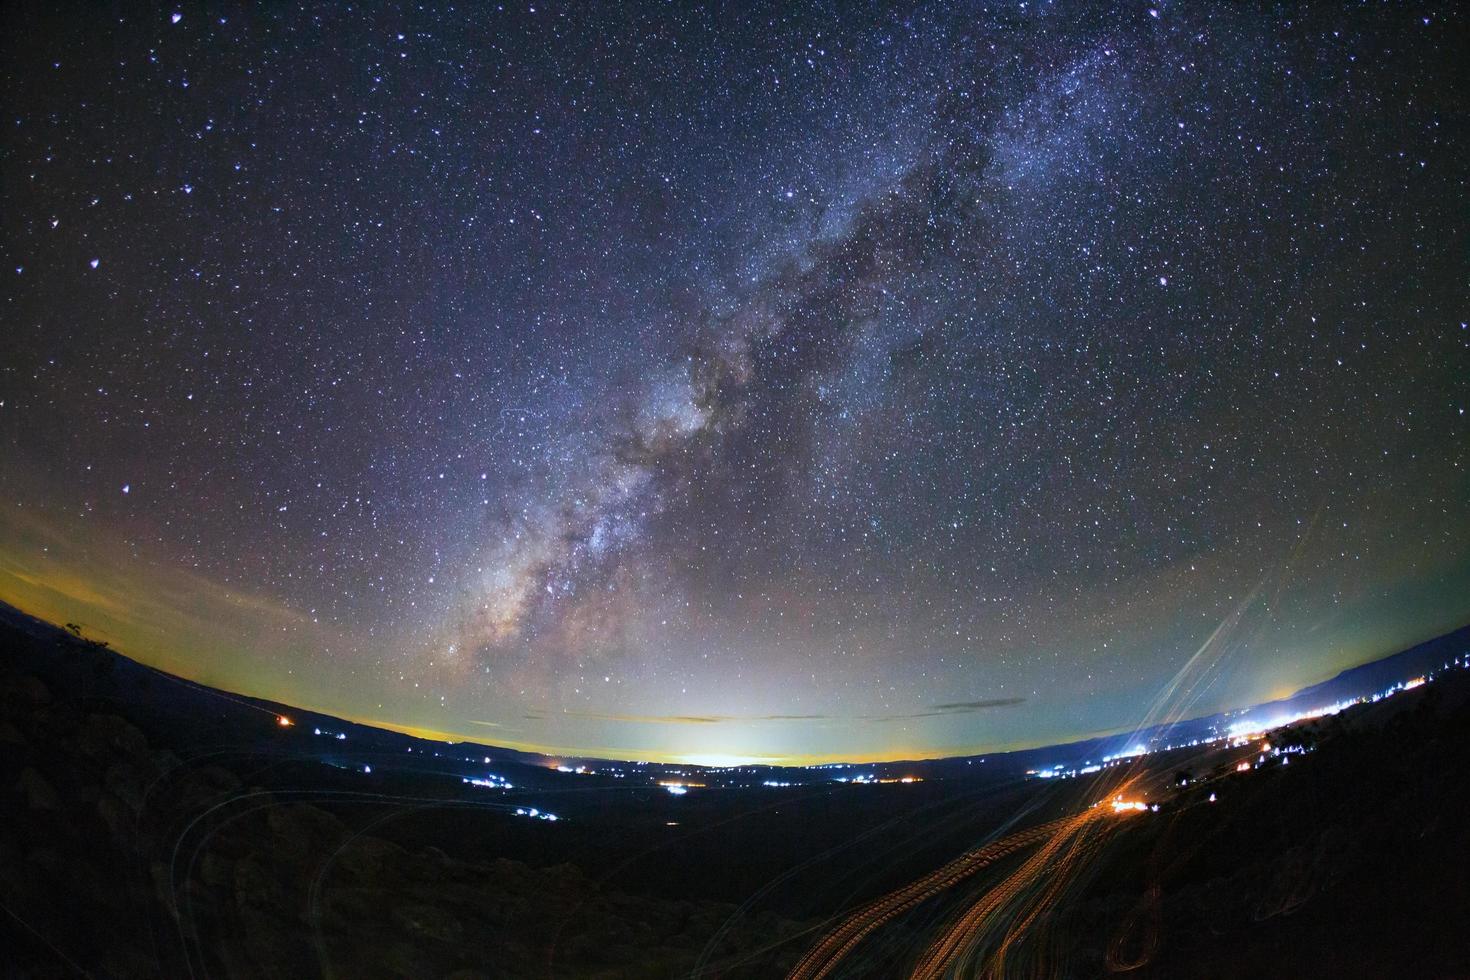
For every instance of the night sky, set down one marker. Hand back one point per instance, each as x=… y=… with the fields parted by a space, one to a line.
x=860 y=381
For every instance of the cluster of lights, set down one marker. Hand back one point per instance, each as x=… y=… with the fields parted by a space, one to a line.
x=535 y=814
x=1267 y=751
x=868 y=779
x=1238 y=734
x=679 y=788
x=489 y=781
x=339 y=736
x=1057 y=772
x=1246 y=729
x=608 y=770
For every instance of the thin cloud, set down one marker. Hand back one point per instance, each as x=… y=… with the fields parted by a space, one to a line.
x=963 y=707
x=950 y=708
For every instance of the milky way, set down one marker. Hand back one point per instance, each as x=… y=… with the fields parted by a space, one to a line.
x=856 y=381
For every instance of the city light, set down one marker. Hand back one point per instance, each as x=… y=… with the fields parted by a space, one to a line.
x=1237 y=734
x=679 y=788
x=489 y=781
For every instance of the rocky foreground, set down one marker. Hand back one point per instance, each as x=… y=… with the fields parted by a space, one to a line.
x=132 y=845
x=120 y=857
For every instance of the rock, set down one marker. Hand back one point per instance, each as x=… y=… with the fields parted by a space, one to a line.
x=24 y=688
x=256 y=887
x=567 y=872
x=103 y=735
x=301 y=821
x=128 y=782
x=118 y=815
x=38 y=793
x=215 y=870
x=129 y=961
x=162 y=887
x=164 y=761
x=206 y=786
x=348 y=910
x=274 y=944
x=302 y=832
x=413 y=960
x=86 y=885
x=368 y=858
x=428 y=922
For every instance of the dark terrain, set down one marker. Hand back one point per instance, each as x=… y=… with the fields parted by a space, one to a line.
x=149 y=827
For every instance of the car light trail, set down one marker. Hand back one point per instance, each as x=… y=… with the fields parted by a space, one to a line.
x=824 y=957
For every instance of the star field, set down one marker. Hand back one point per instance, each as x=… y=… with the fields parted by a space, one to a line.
x=666 y=381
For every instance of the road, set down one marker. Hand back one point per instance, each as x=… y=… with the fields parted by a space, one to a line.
x=1066 y=846
x=1005 y=912
x=824 y=957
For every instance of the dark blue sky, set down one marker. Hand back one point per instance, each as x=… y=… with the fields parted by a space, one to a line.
x=836 y=381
